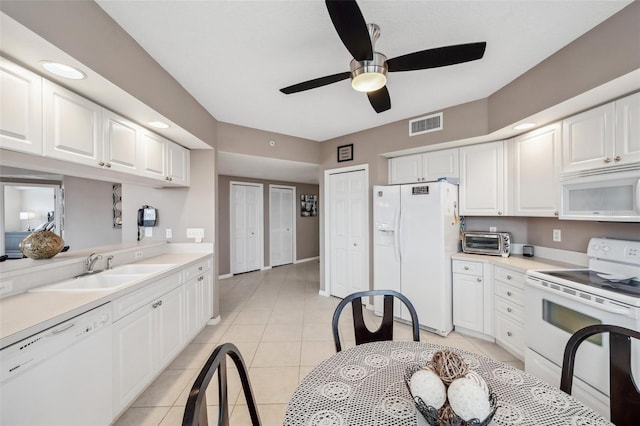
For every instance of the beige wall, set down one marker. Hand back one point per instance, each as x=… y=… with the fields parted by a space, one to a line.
x=178 y=208
x=88 y=215
x=307 y=228
x=245 y=140
x=83 y=30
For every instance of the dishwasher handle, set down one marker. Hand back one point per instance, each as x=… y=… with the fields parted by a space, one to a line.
x=63 y=329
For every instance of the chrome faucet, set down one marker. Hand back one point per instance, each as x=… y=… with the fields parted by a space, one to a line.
x=110 y=262
x=91 y=261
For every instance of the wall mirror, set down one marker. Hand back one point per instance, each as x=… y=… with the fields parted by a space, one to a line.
x=29 y=201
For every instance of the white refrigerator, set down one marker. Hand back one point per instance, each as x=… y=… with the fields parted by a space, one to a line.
x=416 y=230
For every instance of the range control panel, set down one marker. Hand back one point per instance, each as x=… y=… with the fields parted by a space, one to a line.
x=614 y=250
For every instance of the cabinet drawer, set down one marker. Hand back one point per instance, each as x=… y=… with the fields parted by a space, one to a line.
x=467 y=267
x=197 y=269
x=510 y=335
x=131 y=302
x=510 y=293
x=509 y=310
x=514 y=278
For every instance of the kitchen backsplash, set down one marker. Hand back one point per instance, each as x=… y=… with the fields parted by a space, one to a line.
x=538 y=231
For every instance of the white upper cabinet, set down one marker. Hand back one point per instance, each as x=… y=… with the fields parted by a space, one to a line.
x=627 y=145
x=424 y=167
x=121 y=143
x=72 y=126
x=20 y=109
x=482 y=180
x=154 y=156
x=601 y=137
x=406 y=169
x=536 y=160
x=178 y=165
x=164 y=160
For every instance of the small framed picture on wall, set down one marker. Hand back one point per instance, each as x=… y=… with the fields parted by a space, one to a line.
x=345 y=153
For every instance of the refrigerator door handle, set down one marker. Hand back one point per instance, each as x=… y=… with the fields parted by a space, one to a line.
x=398 y=235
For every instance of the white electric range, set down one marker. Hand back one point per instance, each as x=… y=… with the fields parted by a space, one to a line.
x=560 y=302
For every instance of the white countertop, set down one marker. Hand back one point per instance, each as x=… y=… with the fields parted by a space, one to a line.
x=517 y=262
x=25 y=314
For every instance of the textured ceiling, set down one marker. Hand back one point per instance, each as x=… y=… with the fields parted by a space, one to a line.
x=233 y=56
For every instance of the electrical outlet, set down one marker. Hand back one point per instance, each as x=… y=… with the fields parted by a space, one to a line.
x=138 y=254
x=195 y=233
x=492 y=229
x=557 y=235
x=168 y=233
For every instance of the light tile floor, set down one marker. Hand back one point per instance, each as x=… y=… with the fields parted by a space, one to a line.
x=282 y=327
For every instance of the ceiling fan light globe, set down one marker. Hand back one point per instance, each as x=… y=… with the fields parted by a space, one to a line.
x=369 y=81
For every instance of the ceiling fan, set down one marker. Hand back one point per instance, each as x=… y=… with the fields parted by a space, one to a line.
x=368 y=67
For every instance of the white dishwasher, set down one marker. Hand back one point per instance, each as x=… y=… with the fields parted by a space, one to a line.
x=60 y=376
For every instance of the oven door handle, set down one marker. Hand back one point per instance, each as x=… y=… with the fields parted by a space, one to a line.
x=619 y=310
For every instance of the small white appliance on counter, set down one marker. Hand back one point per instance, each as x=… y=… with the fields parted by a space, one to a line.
x=560 y=302
x=416 y=231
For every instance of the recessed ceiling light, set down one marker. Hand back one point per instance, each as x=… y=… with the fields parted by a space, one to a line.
x=63 y=70
x=524 y=126
x=158 y=124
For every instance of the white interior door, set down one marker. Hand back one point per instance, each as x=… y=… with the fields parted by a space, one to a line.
x=347 y=226
x=246 y=227
x=282 y=224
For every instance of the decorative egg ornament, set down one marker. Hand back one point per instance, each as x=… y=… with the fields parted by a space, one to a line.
x=468 y=399
x=427 y=385
x=472 y=375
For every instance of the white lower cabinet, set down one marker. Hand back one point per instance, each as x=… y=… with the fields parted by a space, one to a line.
x=198 y=297
x=147 y=339
x=472 y=304
x=509 y=310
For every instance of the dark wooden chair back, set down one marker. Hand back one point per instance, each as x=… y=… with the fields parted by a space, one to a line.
x=624 y=395
x=195 y=413
x=385 y=331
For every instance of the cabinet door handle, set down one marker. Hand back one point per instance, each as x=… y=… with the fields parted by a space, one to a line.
x=607 y=160
x=509 y=309
x=499 y=213
x=509 y=333
x=479 y=280
x=201 y=278
x=200 y=268
x=508 y=293
x=155 y=305
x=466 y=268
x=509 y=277
x=108 y=165
x=101 y=163
x=556 y=213
x=617 y=158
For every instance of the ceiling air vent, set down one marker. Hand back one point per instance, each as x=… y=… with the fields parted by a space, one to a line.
x=429 y=123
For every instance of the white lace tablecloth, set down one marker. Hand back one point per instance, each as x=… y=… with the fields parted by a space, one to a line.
x=365 y=386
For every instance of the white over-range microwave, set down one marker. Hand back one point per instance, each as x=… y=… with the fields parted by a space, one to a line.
x=613 y=197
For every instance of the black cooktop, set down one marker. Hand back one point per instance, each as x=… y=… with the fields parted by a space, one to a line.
x=628 y=286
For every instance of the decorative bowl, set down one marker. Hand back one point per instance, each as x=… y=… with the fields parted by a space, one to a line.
x=41 y=245
x=434 y=416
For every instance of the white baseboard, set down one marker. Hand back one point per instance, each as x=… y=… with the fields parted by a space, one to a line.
x=225 y=276
x=265 y=268
x=214 y=321
x=324 y=293
x=309 y=259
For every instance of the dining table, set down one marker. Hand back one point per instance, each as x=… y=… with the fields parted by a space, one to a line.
x=365 y=385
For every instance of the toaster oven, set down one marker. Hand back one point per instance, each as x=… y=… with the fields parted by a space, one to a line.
x=491 y=243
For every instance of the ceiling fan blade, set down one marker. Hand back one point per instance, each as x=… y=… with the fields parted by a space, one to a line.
x=380 y=100
x=316 y=82
x=438 y=57
x=351 y=27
